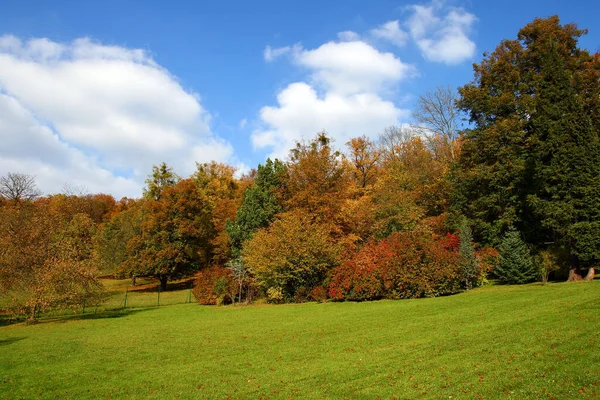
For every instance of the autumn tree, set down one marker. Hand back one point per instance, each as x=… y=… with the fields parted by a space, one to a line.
x=317 y=180
x=46 y=258
x=364 y=157
x=392 y=139
x=294 y=252
x=175 y=234
x=532 y=159
x=113 y=235
x=217 y=184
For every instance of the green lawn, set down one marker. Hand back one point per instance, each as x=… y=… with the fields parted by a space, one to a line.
x=525 y=342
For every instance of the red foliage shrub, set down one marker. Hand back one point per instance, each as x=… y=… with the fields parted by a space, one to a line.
x=404 y=265
x=318 y=293
x=214 y=285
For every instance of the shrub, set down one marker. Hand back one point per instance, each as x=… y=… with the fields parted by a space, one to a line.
x=275 y=295
x=214 y=285
x=546 y=263
x=404 y=265
x=294 y=252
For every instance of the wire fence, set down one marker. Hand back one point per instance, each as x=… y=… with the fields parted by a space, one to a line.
x=120 y=297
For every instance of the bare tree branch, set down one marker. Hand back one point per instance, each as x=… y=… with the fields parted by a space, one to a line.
x=17 y=187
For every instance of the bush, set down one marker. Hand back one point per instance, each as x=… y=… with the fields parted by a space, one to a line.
x=214 y=285
x=546 y=263
x=404 y=265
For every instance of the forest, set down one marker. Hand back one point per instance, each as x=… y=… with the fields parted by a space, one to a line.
x=499 y=179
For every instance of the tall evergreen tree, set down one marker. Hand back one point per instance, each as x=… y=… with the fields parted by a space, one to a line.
x=516 y=265
x=532 y=158
x=260 y=205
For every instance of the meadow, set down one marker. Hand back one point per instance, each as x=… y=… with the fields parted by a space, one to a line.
x=528 y=341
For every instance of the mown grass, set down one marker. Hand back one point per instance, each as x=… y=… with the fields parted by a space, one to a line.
x=526 y=342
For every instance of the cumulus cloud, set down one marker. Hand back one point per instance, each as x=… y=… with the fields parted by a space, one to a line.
x=344 y=94
x=352 y=67
x=100 y=115
x=391 y=32
x=442 y=38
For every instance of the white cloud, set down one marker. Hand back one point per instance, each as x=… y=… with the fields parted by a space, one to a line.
x=442 y=38
x=301 y=113
x=243 y=123
x=348 y=36
x=391 y=32
x=95 y=109
x=352 y=67
x=344 y=96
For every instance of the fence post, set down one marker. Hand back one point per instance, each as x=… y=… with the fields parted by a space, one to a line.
x=158 y=302
x=125 y=300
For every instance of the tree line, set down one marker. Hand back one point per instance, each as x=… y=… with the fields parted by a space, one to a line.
x=426 y=210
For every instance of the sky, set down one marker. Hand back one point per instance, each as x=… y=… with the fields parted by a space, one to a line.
x=94 y=93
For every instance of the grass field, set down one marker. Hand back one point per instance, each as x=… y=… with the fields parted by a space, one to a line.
x=525 y=342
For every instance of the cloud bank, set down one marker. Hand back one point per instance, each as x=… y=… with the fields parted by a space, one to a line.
x=97 y=116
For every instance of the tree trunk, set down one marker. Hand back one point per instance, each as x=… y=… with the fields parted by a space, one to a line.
x=163 y=282
x=590 y=275
x=32 y=316
x=574 y=275
x=574 y=272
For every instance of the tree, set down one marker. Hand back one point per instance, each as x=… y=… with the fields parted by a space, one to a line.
x=161 y=178
x=516 y=265
x=113 y=236
x=16 y=187
x=532 y=158
x=365 y=159
x=217 y=184
x=46 y=258
x=294 y=252
x=391 y=140
x=260 y=205
x=437 y=118
x=175 y=235
x=317 y=180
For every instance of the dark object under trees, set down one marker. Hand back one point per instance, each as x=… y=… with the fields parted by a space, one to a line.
x=469 y=265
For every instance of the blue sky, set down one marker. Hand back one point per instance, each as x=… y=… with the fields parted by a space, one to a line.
x=92 y=94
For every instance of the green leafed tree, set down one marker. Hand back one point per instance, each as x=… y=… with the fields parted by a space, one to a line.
x=261 y=204
x=162 y=177
x=532 y=157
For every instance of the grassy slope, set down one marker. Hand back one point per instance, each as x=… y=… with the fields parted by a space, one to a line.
x=496 y=342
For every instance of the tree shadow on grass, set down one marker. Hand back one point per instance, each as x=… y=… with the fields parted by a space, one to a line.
x=171 y=286
x=107 y=314
x=7 y=320
x=11 y=340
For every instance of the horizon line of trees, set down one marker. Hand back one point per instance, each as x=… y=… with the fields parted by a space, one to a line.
x=428 y=210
